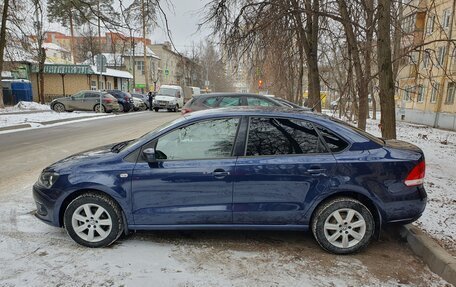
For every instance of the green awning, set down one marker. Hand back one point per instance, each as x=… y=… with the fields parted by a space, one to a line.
x=64 y=69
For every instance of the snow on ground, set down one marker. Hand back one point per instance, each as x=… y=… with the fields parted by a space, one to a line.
x=25 y=106
x=35 y=254
x=439 y=146
x=9 y=117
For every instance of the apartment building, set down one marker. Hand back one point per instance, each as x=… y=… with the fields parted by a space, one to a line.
x=427 y=75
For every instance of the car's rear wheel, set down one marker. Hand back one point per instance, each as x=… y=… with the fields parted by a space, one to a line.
x=343 y=225
x=58 y=107
x=121 y=108
x=96 y=108
x=156 y=109
x=93 y=220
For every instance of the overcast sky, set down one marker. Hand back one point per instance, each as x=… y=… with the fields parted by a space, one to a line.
x=183 y=19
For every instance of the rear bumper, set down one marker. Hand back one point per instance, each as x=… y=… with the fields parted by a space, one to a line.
x=164 y=106
x=409 y=209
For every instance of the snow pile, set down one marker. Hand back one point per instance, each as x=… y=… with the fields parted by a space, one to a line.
x=26 y=106
x=39 y=119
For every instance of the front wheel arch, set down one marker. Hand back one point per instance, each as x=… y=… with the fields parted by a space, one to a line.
x=77 y=193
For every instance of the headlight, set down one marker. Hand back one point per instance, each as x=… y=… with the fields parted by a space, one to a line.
x=48 y=178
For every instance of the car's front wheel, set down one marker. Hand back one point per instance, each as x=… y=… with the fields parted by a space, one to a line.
x=343 y=225
x=58 y=107
x=93 y=220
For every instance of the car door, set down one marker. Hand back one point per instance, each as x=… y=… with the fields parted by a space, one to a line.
x=285 y=165
x=76 y=101
x=192 y=180
x=90 y=100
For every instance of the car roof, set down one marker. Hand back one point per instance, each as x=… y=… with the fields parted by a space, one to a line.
x=249 y=111
x=221 y=94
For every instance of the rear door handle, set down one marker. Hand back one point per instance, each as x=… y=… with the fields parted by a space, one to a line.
x=220 y=173
x=316 y=171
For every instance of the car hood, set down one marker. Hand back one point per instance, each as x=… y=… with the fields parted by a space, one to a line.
x=87 y=158
x=164 y=98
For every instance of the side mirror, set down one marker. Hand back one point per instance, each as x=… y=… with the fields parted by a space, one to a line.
x=149 y=154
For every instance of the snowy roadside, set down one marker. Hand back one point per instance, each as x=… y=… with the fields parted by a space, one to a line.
x=28 y=115
x=439 y=146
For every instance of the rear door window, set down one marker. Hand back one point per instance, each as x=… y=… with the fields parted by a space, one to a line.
x=230 y=102
x=257 y=102
x=210 y=102
x=334 y=142
x=276 y=136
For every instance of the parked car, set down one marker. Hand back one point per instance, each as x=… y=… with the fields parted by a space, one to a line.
x=125 y=100
x=139 y=105
x=221 y=100
x=169 y=97
x=291 y=104
x=144 y=98
x=243 y=168
x=86 y=101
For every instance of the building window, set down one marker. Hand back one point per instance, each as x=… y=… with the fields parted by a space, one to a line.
x=140 y=66
x=421 y=90
x=108 y=86
x=434 y=92
x=446 y=18
x=441 y=55
x=430 y=24
x=426 y=58
x=407 y=91
x=451 y=91
x=408 y=26
x=93 y=85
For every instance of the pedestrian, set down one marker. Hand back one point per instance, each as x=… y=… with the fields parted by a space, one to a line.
x=151 y=98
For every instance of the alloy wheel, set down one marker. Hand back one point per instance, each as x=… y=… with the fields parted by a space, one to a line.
x=344 y=228
x=91 y=222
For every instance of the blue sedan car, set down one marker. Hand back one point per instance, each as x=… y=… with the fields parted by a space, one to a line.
x=238 y=169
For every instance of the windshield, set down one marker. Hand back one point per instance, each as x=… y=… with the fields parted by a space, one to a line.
x=149 y=134
x=168 y=92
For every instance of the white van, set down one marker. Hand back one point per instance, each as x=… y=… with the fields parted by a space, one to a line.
x=169 y=97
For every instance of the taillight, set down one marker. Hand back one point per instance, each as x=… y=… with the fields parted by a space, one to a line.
x=185 y=111
x=107 y=100
x=416 y=175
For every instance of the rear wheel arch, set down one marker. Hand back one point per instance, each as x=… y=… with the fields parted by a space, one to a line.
x=373 y=208
x=80 y=192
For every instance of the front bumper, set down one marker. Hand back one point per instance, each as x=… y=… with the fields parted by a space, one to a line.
x=45 y=205
x=164 y=105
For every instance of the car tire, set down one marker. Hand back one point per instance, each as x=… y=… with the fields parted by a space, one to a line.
x=59 y=107
x=176 y=109
x=121 y=108
x=96 y=107
x=101 y=227
x=156 y=109
x=343 y=225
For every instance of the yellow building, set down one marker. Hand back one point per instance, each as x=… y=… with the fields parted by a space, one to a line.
x=427 y=75
x=64 y=80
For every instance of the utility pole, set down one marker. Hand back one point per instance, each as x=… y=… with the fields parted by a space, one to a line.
x=146 y=71
x=100 y=58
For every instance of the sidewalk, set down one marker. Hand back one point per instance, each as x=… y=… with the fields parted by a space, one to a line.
x=34 y=119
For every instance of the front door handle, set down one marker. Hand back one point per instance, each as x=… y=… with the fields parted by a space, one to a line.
x=220 y=173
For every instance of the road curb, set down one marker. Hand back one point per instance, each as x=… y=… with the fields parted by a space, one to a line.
x=15 y=127
x=437 y=258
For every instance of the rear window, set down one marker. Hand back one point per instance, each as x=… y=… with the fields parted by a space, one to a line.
x=359 y=131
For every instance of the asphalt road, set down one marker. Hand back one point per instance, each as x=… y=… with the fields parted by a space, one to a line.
x=30 y=151
x=32 y=250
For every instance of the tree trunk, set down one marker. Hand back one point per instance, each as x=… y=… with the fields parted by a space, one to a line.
x=72 y=36
x=385 y=71
x=2 y=45
x=146 y=71
x=42 y=59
